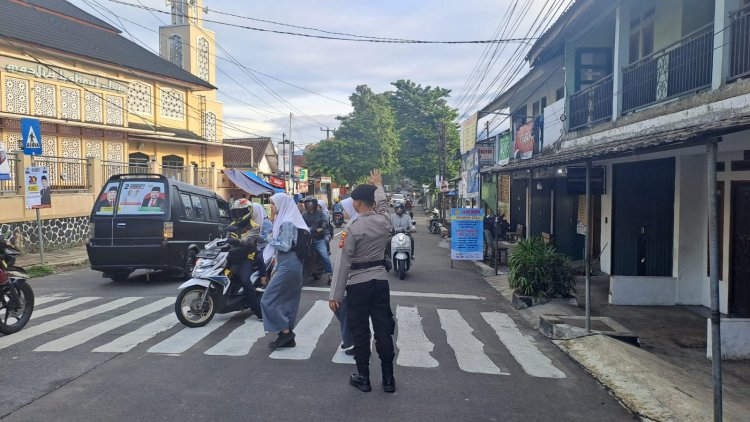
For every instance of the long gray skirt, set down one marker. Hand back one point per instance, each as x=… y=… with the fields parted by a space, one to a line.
x=280 y=302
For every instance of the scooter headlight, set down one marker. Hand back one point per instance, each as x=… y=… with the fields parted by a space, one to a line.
x=400 y=239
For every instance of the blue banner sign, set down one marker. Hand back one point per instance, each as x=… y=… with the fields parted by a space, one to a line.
x=467 y=234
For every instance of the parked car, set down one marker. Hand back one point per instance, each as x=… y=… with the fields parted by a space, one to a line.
x=396 y=197
x=147 y=221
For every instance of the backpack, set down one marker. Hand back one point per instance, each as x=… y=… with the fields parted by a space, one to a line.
x=304 y=244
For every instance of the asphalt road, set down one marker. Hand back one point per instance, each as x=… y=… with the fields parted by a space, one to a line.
x=99 y=350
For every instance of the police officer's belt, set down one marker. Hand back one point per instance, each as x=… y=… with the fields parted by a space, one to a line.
x=366 y=265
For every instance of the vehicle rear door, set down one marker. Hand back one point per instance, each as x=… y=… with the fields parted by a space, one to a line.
x=103 y=214
x=142 y=209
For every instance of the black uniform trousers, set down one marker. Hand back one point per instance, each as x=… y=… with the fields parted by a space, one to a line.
x=365 y=301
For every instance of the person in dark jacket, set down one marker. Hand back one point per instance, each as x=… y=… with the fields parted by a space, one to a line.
x=318 y=223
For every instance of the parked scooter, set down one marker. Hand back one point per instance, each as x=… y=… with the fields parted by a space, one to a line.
x=401 y=252
x=434 y=226
x=338 y=219
x=16 y=296
x=212 y=289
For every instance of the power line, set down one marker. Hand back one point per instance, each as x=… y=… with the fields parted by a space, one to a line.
x=370 y=40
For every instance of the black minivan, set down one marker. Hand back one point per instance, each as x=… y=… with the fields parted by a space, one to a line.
x=147 y=221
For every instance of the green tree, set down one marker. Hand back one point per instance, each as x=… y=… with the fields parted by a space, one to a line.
x=419 y=110
x=366 y=139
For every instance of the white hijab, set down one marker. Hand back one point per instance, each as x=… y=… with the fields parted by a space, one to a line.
x=348 y=205
x=259 y=213
x=288 y=213
x=324 y=205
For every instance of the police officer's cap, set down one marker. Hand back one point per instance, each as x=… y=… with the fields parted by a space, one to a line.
x=364 y=193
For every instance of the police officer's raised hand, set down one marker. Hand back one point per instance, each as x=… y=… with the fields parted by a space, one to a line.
x=334 y=305
x=376 y=178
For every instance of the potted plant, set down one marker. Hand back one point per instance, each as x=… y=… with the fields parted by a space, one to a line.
x=538 y=272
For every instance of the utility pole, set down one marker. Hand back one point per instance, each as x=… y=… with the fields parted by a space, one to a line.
x=442 y=168
x=291 y=153
x=328 y=131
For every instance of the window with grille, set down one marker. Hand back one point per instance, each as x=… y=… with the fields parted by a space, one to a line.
x=172 y=104
x=139 y=98
x=16 y=95
x=175 y=50
x=114 y=110
x=45 y=101
x=210 y=127
x=70 y=103
x=203 y=58
x=94 y=148
x=92 y=106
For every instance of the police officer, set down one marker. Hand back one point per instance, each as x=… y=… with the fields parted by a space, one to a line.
x=361 y=273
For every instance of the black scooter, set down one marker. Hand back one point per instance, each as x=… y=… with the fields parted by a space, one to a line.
x=16 y=296
x=338 y=219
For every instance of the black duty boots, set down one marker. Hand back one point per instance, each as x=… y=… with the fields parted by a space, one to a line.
x=360 y=382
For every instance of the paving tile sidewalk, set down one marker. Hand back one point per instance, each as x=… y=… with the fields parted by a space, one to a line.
x=669 y=376
x=59 y=257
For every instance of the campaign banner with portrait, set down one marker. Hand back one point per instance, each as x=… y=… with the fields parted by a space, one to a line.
x=524 y=145
x=467 y=235
x=142 y=198
x=38 y=194
x=4 y=165
x=105 y=204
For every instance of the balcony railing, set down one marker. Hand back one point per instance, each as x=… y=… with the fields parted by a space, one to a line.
x=202 y=176
x=10 y=186
x=111 y=168
x=64 y=173
x=591 y=105
x=176 y=172
x=681 y=68
x=739 y=30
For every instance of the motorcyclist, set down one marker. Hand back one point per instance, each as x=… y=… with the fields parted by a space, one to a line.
x=400 y=221
x=337 y=207
x=317 y=223
x=244 y=258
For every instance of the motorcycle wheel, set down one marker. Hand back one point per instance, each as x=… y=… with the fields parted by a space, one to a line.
x=20 y=315
x=402 y=270
x=186 y=307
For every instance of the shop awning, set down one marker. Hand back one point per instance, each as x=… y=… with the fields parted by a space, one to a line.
x=250 y=182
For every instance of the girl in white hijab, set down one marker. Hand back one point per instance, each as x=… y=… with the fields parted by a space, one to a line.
x=280 y=302
x=261 y=219
x=348 y=205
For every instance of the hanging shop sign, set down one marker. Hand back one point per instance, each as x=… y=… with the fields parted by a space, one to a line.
x=503 y=148
x=325 y=180
x=524 y=144
x=468 y=133
x=486 y=155
x=276 y=182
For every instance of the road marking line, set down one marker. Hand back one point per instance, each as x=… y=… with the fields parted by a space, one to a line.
x=188 y=337
x=61 y=306
x=413 y=346
x=341 y=357
x=410 y=294
x=49 y=298
x=130 y=340
x=239 y=341
x=89 y=333
x=308 y=332
x=63 y=321
x=523 y=350
x=469 y=351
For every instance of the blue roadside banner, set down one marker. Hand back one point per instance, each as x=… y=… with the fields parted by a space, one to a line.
x=467 y=234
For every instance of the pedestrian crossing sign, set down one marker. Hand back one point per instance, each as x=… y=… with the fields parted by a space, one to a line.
x=31 y=134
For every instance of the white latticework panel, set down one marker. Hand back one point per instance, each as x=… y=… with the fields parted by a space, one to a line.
x=114 y=110
x=49 y=145
x=115 y=151
x=16 y=95
x=203 y=55
x=94 y=148
x=13 y=141
x=172 y=104
x=45 y=101
x=210 y=127
x=70 y=103
x=139 y=98
x=92 y=107
x=71 y=147
x=175 y=50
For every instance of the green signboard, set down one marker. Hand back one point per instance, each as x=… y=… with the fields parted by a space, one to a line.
x=503 y=148
x=302 y=175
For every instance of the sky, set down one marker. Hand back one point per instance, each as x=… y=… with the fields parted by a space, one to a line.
x=334 y=68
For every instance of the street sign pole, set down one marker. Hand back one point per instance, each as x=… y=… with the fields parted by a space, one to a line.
x=41 y=239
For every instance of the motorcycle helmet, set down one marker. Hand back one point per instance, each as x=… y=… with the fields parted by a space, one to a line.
x=241 y=208
x=398 y=205
x=311 y=203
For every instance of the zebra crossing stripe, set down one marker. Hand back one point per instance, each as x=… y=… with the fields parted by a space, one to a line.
x=188 y=337
x=308 y=331
x=341 y=357
x=87 y=334
x=413 y=346
x=49 y=298
x=48 y=326
x=130 y=340
x=239 y=341
x=524 y=351
x=408 y=294
x=469 y=351
x=61 y=307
